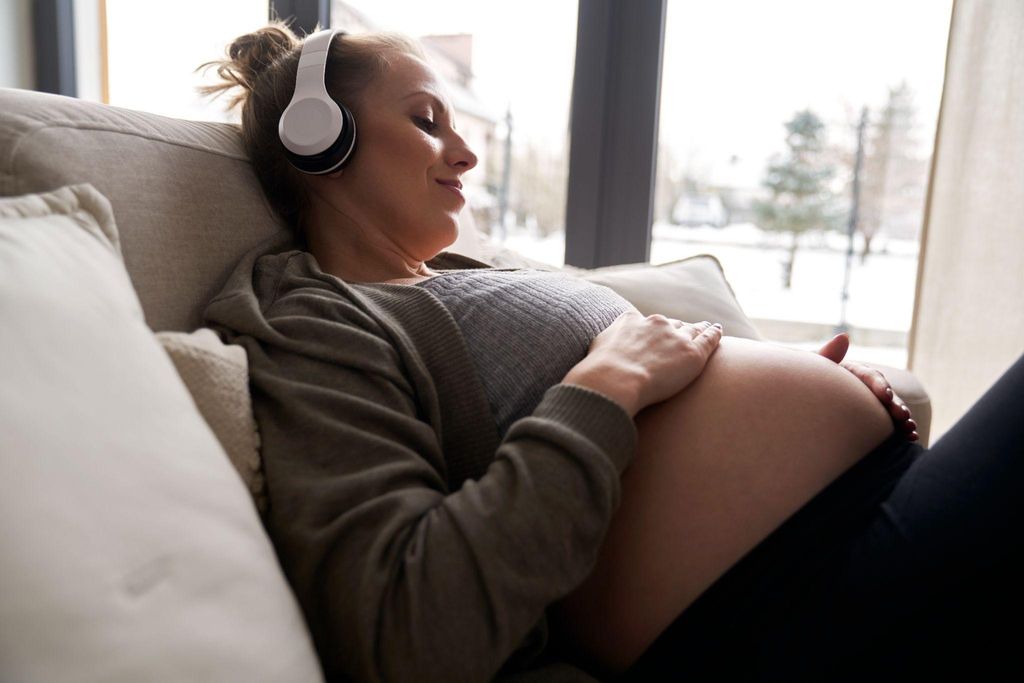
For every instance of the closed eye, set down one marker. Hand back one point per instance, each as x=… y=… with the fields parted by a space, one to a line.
x=428 y=125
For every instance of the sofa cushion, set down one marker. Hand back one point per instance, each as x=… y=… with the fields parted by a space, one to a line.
x=690 y=289
x=217 y=376
x=130 y=548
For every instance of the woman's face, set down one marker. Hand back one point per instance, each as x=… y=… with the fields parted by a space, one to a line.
x=406 y=143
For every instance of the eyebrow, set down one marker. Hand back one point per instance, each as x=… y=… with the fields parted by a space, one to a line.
x=439 y=103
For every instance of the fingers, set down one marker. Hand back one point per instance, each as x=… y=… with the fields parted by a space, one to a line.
x=696 y=331
x=880 y=387
x=707 y=337
x=899 y=410
x=835 y=349
x=874 y=380
x=900 y=413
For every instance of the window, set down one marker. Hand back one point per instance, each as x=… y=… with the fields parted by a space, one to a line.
x=760 y=109
x=508 y=70
x=151 y=50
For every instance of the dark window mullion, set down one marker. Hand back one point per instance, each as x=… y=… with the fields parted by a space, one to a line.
x=307 y=13
x=53 y=27
x=614 y=132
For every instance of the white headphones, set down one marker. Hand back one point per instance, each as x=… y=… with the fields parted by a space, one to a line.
x=318 y=133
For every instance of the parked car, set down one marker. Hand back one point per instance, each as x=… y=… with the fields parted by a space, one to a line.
x=700 y=209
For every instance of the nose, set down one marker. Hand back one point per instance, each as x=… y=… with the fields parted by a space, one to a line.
x=460 y=155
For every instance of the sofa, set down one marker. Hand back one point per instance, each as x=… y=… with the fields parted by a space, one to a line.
x=131 y=487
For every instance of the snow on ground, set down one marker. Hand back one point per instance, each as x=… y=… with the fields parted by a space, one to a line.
x=881 y=291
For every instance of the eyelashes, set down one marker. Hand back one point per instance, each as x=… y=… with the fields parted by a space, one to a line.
x=428 y=125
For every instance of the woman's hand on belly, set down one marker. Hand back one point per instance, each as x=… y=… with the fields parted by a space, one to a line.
x=835 y=350
x=640 y=360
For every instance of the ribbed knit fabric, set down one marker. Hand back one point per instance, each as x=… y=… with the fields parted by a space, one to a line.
x=505 y=316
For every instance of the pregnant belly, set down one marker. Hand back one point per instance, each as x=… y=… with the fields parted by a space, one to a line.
x=718 y=467
x=773 y=390
x=761 y=431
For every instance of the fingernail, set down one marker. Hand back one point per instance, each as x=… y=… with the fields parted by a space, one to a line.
x=888 y=392
x=718 y=325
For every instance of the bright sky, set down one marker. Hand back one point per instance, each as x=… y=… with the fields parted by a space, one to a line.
x=734 y=70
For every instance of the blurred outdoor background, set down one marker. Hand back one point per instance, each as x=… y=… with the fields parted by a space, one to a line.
x=795 y=136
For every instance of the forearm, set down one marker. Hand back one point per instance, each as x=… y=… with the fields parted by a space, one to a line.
x=402 y=582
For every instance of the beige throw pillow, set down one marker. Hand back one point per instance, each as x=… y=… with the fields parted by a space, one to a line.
x=217 y=376
x=690 y=289
x=130 y=549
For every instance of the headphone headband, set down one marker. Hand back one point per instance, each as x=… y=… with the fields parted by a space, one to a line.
x=317 y=132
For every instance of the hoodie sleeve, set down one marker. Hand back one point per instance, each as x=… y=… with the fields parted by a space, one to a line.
x=400 y=579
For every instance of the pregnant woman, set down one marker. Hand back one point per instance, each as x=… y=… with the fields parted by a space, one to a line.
x=473 y=471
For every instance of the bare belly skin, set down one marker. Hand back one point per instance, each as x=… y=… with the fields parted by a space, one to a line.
x=718 y=467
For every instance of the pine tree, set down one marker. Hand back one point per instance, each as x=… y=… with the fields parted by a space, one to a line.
x=798 y=181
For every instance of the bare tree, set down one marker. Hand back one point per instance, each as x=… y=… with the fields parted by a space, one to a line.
x=894 y=180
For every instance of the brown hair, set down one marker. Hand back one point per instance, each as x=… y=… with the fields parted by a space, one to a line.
x=263 y=65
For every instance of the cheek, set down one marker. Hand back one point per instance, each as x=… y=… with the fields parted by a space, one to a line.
x=398 y=176
x=412 y=148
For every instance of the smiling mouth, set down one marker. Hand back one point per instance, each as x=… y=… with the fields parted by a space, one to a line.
x=454 y=189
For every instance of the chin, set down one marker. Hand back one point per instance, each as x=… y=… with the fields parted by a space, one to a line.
x=453 y=235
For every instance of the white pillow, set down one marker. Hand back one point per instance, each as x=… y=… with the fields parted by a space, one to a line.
x=130 y=549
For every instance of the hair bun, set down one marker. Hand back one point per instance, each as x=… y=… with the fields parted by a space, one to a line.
x=254 y=52
x=248 y=56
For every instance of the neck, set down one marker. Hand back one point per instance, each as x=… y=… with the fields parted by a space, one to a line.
x=343 y=252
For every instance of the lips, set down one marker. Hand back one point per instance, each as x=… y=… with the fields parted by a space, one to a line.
x=449 y=185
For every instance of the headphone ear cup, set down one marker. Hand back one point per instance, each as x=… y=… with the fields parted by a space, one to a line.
x=318 y=132
x=336 y=156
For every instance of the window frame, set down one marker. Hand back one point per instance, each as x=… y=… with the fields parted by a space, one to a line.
x=616 y=98
x=306 y=13
x=53 y=29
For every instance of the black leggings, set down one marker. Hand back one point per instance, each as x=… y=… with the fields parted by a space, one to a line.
x=906 y=567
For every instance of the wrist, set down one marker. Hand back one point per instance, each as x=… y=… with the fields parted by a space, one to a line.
x=617 y=384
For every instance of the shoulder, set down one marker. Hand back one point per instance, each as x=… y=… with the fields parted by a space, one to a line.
x=281 y=295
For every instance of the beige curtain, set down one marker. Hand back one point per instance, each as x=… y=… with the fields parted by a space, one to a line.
x=968 y=316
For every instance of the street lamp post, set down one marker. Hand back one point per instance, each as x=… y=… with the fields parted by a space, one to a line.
x=505 y=175
x=851 y=227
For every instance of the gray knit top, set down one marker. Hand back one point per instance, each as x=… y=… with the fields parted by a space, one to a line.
x=525 y=329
